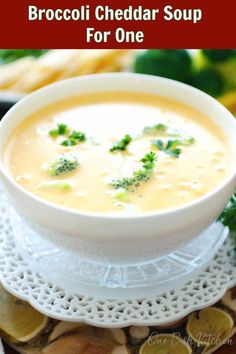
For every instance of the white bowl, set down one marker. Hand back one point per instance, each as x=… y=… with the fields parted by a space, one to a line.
x=119 y=239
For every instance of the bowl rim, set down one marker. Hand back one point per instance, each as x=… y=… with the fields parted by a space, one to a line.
x=99 y=215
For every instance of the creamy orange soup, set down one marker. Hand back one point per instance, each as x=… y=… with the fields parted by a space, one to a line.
x=173 y=154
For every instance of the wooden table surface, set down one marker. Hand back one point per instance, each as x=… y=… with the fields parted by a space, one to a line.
x=224 y=350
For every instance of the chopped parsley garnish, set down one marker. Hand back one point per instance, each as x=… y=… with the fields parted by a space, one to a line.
x=122 y=144
x=61 y=164
x=228 y=216
x=170 y=147
x=143 y=174
x=62 y=129
x=69 y=142
x=74 y=138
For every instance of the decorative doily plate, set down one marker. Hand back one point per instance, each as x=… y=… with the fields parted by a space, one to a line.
x=106 y=280
x=19 y=277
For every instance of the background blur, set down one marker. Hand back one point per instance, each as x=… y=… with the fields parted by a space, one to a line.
x=24 y=70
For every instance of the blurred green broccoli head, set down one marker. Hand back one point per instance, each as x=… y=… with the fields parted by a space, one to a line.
x=61 y=164
x=174 y=64
x=208 y=80
x=219 y=55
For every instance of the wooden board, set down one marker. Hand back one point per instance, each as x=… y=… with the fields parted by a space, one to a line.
x=227 y=349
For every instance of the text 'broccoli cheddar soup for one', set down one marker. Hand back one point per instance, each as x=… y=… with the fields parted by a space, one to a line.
x=118 y=153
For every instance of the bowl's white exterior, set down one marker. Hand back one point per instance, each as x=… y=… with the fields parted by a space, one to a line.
x=119 y=239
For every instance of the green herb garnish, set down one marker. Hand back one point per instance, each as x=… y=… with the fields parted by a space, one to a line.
x=163 y=130
x=170 y=147
x=62 y=129
x=75 y=137
x=69 y=142
x=143 y=174
x=158 y=128
x=228 y=216
x=186 y=140
x=122 y=144
x=61 y=164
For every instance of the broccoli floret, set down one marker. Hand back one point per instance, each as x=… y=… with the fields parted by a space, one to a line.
x=10 y=55
x=174 y=64
x=121 y=195
x=163 y=130
x=57 y=186
x=156 y=129
x=219 y=55
x=208 y=80
x=62 y=164
x=143 y=174
x=222 y=61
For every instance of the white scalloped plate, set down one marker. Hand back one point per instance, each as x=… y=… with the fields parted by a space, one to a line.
x=19 y=278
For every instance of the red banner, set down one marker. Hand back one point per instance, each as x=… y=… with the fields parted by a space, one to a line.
x=117 y=24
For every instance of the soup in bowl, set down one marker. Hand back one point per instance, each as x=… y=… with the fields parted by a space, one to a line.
x=121 y=167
